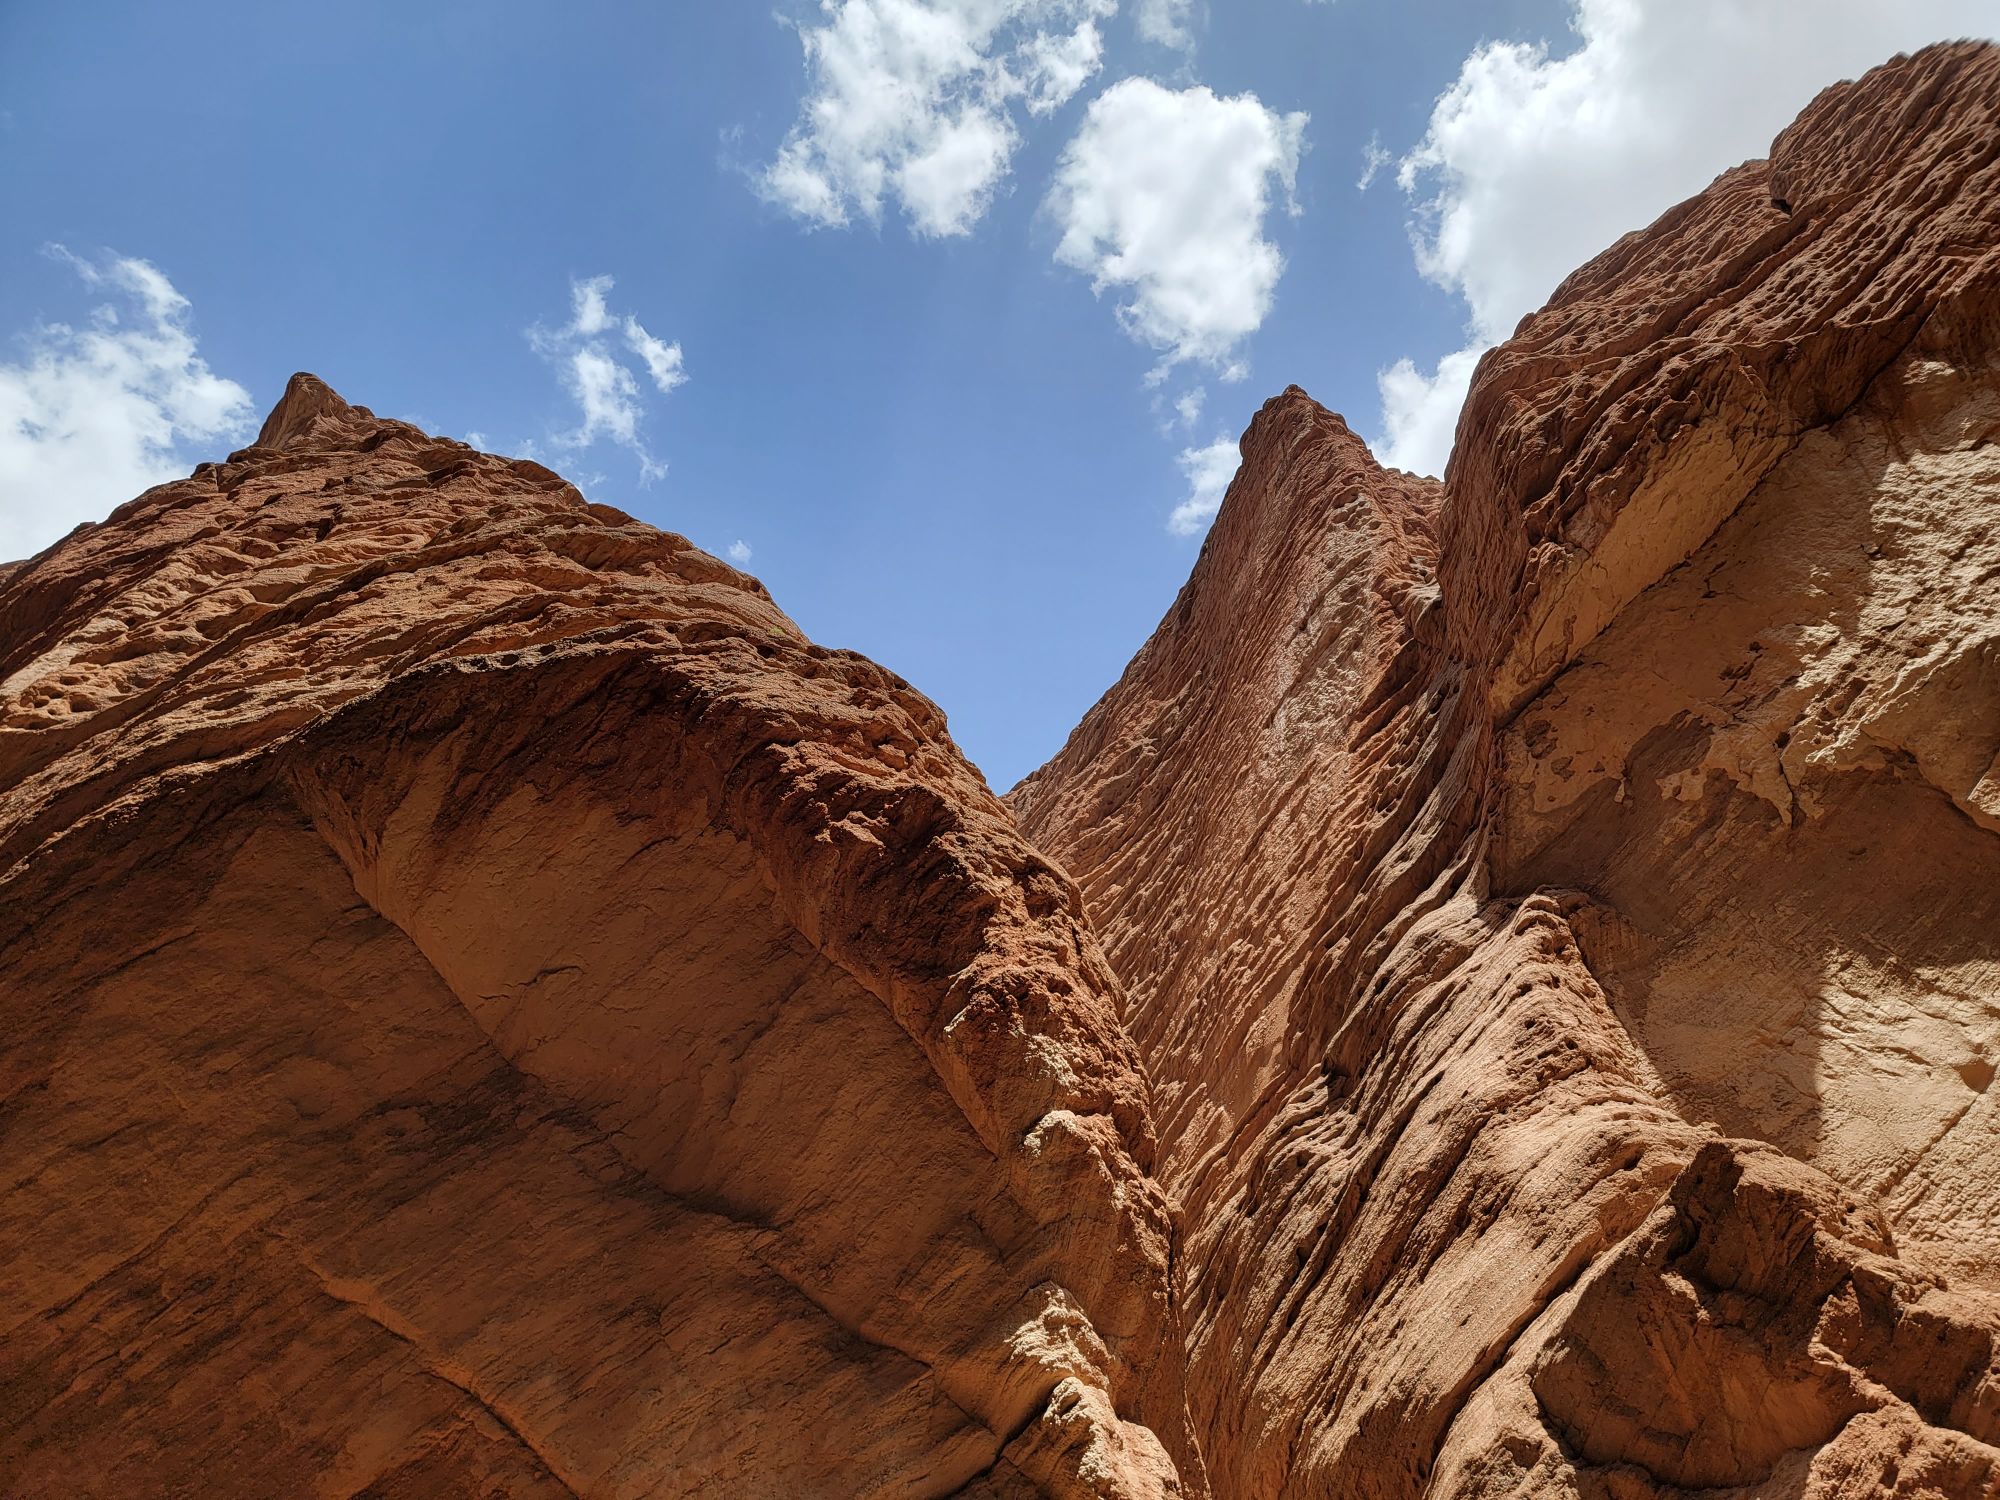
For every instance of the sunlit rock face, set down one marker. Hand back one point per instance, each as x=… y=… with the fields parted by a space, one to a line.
x=491 y=1009
x=1560 y=908
x=1501 y=999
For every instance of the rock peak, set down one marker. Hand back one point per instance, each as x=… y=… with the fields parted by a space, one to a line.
x=307 y=398
x=1400 y=744
x=349 y=564
x=1542 y=1041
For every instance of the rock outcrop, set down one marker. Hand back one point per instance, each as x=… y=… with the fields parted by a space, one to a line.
x=1560 y=908
x=490 y=1009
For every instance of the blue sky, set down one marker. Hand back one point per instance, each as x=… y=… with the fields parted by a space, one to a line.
x=940 y=445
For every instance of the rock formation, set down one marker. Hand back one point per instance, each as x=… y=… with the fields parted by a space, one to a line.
x=492 y=1010
x=1560 y=908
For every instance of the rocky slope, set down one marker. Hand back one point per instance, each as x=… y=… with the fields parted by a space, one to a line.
x=1560 y=908
x=490 y=1009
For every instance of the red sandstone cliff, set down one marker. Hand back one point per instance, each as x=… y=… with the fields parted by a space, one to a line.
x=491 y=1010
x=1560 y=908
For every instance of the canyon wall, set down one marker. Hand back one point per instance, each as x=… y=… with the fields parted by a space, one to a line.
x=1501 y=999
x=492 y=1010
x=1560 y=908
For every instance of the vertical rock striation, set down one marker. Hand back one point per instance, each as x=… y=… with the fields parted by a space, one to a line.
x=1560 y=909
x=490 y=1009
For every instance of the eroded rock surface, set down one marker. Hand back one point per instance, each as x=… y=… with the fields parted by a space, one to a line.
x=1558 y=907
x=491 y=1009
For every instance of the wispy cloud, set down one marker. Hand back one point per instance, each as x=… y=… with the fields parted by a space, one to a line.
x=91 y=416
x=1166 y=23
x=1374 y=157
x=594 y=356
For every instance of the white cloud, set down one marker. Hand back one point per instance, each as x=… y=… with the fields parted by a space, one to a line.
x=1166 y=23
x=1533 y=163
x=1163 y=195
x=92 y=416
x=1208 y=472
x=591 y=316
x=1055 y=65
x=1187 y=410
x=1374 y=157
x=739 y=552
x=914 y=100
x=663 y=360
x=608 y=395
x=1420 y=412
x=587 y=356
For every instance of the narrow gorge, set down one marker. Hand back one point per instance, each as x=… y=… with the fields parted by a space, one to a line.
x=1501 y=999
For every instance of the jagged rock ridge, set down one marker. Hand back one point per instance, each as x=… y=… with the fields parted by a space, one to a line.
x=1560 y=907
x=493 y=1010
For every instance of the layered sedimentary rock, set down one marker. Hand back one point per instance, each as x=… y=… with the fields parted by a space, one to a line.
x=491 y=1009
x=1560 y=908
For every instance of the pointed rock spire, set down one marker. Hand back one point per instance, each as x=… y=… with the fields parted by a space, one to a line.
x=307 y=398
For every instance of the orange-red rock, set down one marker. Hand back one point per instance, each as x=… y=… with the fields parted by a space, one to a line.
x=1560 y=908
x=491 y=1010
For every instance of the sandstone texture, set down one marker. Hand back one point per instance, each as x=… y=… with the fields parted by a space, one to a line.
x=491 y=1010
x=1501 y=999
x=1559 y=908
